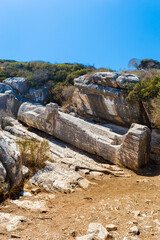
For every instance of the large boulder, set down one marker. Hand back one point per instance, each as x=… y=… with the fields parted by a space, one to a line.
x=10 y=163
x=9 y=105
x=4 y=88
x=103 y=95
x=38 y=95
x=131 y=149
x=18 y=83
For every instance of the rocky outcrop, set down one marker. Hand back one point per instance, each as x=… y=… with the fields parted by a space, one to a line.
x=38 y=95
x=10 y=163
x=17 y=83
x=9 y=105
x=67 y=166
x=20 y=88
x=102 y=95
x=4 y=88
x=131 y=150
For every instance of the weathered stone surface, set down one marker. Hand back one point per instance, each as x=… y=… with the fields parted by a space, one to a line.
x=100 y=232
x=10 y=163
x=4 y=88
x=25 y=172
x=102 y=96
x=34 y=206
x=38 y=95
x=95 y=231
x=18 y=83
x=155 y=146
x=9 y=105
x=150 y=108
x=131 y=149
x=56 y=177
x=66 y=172
x=12 y=222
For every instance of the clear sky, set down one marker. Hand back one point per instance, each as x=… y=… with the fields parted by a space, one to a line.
x=106 y=33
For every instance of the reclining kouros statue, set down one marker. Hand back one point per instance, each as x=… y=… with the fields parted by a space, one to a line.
x=130 y=150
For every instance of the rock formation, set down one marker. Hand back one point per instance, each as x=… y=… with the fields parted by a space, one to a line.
x=10 y=163
x=9 y=105
x=103 y=95
x=130 y=150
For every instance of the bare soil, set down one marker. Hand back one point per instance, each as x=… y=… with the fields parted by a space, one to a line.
x=111 y=200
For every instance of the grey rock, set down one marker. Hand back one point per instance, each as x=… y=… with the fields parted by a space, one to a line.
x=95 y=231
x=38 y=95
x=10 y=163
x=155 y=146
x=25 y=172
x=56 y=176
x=130 y=150
x=12 y=222
x=86 y=237
x=134 y=230
x=100 y=232
x=34 y=206
x=9 y=105
x=103 y=96
x=18 y=83
x=4 y=88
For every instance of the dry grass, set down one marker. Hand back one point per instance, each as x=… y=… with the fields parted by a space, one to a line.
x=33 y=153
x=100 y=70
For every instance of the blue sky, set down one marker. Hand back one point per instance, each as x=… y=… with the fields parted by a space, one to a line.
x=106 y=33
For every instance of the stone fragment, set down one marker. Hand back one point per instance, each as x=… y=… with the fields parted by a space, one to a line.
x=12 y=222
x=86 y=237
x=18 y=83
x=96 y=175
x=84 y=183
x=103 y=95
x=100 y=233
x=111 y=227
x=25 y=171
x=136 y=213
x=134 y=230
x=35 y=206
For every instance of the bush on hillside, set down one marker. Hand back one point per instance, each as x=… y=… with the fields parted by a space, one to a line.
x=147 y=87
x=40 y=73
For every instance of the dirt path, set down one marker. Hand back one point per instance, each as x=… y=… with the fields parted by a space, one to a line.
x=110 y=200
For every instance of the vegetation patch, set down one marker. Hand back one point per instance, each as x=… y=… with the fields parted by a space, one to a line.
x=33 y=153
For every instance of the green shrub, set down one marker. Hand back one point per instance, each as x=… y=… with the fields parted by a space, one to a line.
x=145 y=89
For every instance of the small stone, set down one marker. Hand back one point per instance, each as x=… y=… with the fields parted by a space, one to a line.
x=143 y=180
x=134 y=230
x=86 y=237
x=84 y=183
x=148 y=201
x=27 y=194
x=35 y=206
x=111 y=227
x=96 y=175
x=12 y=222
x=25 y=171
x=74 y=234
x=35 y=190
x=136 y=213
x=100 y=233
